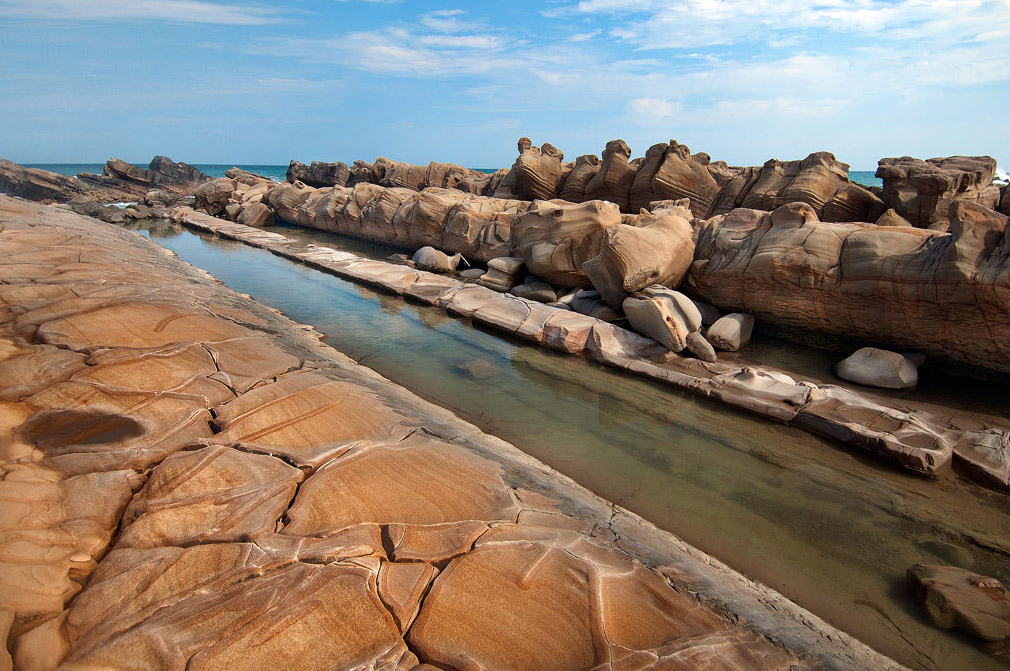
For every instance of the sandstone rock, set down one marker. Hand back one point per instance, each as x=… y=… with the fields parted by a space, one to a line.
x=497 y=280
x=536 y=291
x=471 y=274
x=919 y=290
x=709 y=313
x=319 y=174
x=879 y=368
x=731 y=332
x=892 y=218
x=35 y=184
x=573 y=188
x=923 y=191
x=90 y=208
x=213 y=196
x=670 y=172
x=700 y=347
x=535 y=175
x=659 y=250
x=612 y=181
x=954 y=597
x=431 y=259
x=256 y=215
x=665 y=315
x=510 y=265
x=555 y=238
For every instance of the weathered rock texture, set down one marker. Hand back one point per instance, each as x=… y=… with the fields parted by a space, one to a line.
x=233 y=550
x=953 y=597
x=35 y=184
x=162 y=173
x=923 y=191
x=944 y=294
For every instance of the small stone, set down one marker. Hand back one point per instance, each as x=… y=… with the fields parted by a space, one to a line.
x=700 y=347
x=879 y=368
x=731 y=332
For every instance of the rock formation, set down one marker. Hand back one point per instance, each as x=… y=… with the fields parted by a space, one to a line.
x=35 y=184
x=944 y=294
x=953 y=597
x=670 y=172
x=879 y=368
x=613 y=180
x=555 y=238
x=319 y=174
x=665 y=315
x=535 y=175
x=162 y=173
x=922 y=191
x=657 y=250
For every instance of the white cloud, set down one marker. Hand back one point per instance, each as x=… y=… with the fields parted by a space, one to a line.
x=182 y=11
x=653 y=111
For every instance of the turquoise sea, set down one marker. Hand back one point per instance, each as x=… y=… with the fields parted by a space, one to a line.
x=278 y=172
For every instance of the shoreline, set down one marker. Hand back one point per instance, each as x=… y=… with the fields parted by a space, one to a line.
x=629 y=535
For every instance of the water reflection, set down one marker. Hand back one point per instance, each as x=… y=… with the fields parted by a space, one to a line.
x=828 y=528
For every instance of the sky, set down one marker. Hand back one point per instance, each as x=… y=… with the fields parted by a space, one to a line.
x=265 y=81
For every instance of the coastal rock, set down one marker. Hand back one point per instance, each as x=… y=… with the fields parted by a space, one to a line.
x=700 y=347
x=431 y=259
x=953 y=597
x=131 y=182
x=612 y=181
x=670 y=172
x=502 y=273
x=573 y=189
x=879 y=368
x=555 y=238
x=536 y=291
x=319 y=174
x=35 y=184
x=665 y=315
x=892 y=218
x=213 y=196
x=943 y=294
x=90 y=208
x=731 y=332
x=819 y=180
x=256 y=215
x=659 y=250
x=923 y=191
x=535 y=175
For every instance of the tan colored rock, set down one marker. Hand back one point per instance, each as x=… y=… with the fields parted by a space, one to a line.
x=35 y=369
x=954 y=597
x=936 y=293
x=307 y=418
x=256 y=215
x=319 y=174
x=536 y=174
x=573 y=188
x=879 y=368
x=731 y=332
x=211 y=495
x=892 y=218
x=213 y=196
x=555 y=238
x=659 y=250
x=700 y=347
x=379 y=484
x=670 y=172
x=401 y=587
x=612 y=181
x=665 y=315
x=923 y=191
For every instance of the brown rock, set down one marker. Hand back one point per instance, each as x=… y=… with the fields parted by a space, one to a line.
x=612 y=181
x=659 y=250
x=35 y=184
x=536 y=174
x=256 y=215
x=573 y=189
x=555 y=238
x=665 y=315
x=677 y=175
x=319 y=174
x=923 y=191
x=954 y=597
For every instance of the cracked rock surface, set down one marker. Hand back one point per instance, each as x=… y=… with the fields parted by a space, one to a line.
x=201 y=484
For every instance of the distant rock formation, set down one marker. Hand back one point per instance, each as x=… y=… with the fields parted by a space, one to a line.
x=162 y=173
x=35 y=184
x=944 y=294
x=922 y=191
x=319 y=174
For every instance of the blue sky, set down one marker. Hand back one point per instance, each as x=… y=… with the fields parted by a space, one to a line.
x=266 y=81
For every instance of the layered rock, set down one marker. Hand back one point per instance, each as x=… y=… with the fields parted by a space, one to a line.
x=536 y=174
x=319 y=174
x=923 y=191
x=657 y=250
x=162 y=173
x=953 y=597
x=670 y=172
x=613 y=180
x=944 y=294
x=35 y=184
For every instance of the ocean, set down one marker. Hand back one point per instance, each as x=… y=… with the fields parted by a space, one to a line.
x=279 y=172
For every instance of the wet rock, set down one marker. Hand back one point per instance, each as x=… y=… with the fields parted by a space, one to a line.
x=879 y=368
x=700 y=347
x=665 y=315
x=556 y=238
x=923 y=191
x=90 y=208
x=954 y=597
x=433 y=260
x=731 y=332
x=659 y=250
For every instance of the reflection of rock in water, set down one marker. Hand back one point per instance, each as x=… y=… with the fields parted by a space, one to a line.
x=431 y=317
x=479 y=369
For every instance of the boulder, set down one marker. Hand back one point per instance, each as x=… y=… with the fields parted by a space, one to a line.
x=555 y=238
x=510 y=265
x=923 y=191
x=433 y=260
x=257 y=215
x=659 y=250
x=536 y=291
x=167 y=198
x=879 y=368
x=892 y=218
x=700 y=347
x=953 y=597
x=91 y=208
x=213 y=196
x=709 y=313
x=677 y=174
x=319 y=174
x=665 y=315
x=497 y=280
x=731 y=332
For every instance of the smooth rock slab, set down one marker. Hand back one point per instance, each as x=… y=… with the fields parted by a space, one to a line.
x=954 y=597
x=210 y=495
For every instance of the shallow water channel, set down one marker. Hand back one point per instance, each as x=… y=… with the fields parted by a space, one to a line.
x=824 y=526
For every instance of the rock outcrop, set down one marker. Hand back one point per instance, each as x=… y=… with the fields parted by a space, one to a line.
x=162 y=173
x=35 y=184
x=670 y=172
x=943 y=294
x=953 y=597
x=319 y=174
x=657 y=250
x=536 y=174
x=555 y=238
x=923 y=191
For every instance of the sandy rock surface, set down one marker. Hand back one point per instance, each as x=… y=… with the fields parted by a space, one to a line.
x=319 y=515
